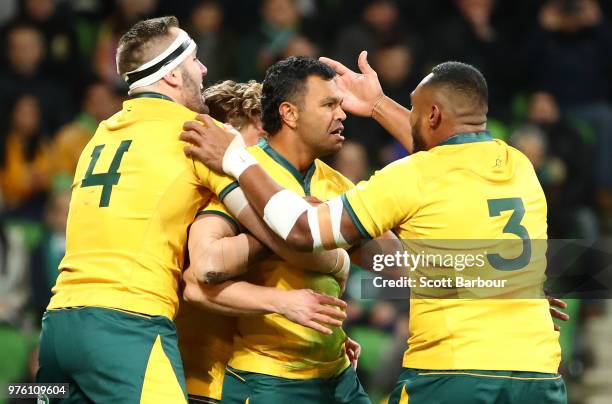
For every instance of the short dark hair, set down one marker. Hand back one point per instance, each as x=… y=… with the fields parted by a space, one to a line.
x=286 y=81
x=135 y=45
x=464 y=79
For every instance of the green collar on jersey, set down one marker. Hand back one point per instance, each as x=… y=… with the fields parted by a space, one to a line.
x=303 y=180
x=469 y=137
x=151 y=94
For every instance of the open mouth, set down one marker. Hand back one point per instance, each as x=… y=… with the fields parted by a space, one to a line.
x=338 y=132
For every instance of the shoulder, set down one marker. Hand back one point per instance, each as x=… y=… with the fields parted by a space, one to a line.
x=334 y=176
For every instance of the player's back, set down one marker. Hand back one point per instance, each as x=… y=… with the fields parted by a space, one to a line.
x=472 y=188
x=133 y=196
x=488 y=192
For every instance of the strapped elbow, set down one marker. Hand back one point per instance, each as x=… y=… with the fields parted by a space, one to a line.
x=300 y=238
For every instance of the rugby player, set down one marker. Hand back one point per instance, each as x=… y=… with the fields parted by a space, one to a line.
x=459 y=183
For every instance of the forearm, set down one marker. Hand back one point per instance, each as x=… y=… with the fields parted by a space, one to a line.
x=385 y=245
x=323 y=262
x=234 y=298
x=395 y=119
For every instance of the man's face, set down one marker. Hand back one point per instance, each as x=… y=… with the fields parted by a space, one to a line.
x=193 y=72
x=418 y=116
x=319 y=124
x=416 y=123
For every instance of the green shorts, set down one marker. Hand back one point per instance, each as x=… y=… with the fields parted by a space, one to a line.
x=477 y=387
x=111 y=356
x=257 y=388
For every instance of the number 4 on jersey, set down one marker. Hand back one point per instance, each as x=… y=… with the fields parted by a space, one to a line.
x=108 y=179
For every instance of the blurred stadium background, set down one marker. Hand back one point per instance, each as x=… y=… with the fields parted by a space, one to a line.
x=549 y=68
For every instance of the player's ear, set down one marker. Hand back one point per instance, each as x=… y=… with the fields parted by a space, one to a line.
x=435 y=116
x=289 y=114
x=173 y=78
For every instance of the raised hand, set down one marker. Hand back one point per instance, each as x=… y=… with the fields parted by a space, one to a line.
x=314 y=310
x=360 y=92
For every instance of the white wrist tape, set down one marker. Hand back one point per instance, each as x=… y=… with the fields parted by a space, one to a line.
x=236 y=158
x=235 y=201
x=283 y=210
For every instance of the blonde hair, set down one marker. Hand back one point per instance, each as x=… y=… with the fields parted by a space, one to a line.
x=238 y=104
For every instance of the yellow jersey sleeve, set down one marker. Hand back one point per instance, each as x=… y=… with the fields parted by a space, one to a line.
x=215 y=207
x=220 y=184
x=390 y=197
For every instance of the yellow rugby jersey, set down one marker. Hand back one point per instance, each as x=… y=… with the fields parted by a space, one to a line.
x=468 y=187
x=133 y=197
x=205 y=338
x=271 y=344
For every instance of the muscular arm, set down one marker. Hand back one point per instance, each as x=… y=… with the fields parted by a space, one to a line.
x=304 y=307
x=260 y=188
x=395 y=119
x=214 y=245
x=217 y=253
x=333 y=262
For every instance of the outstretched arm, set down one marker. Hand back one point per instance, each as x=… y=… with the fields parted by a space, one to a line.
x=304 y=307
x=363 y=96
x=329 y=225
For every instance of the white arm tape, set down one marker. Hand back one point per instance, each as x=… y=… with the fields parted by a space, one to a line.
x=313 y=223
x=345 y=267
x=336 y=206
x=283 y=210
x=235 y=201
x=236 y=160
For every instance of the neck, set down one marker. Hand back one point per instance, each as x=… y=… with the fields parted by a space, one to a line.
x=176 y=97
x=288 y=144
x=443 y=135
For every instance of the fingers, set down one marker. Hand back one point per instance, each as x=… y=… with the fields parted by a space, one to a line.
x=317 y=327
x=326 y=299
x=338 y=67
x=327 y=320
x=559 y=314
x=352 y=357
x=557 y=328
x=557 y=302
x=357 y=349
x=205 y=120
x=353 y=350
x=191 y=137
x=189 y=151
x=330 y=311
x=363 y=64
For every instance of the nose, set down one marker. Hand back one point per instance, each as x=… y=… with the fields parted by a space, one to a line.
x=203 y=69
x=341 y=114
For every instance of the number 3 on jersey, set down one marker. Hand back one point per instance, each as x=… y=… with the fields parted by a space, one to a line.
x=513 y=226
x=108 y=179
